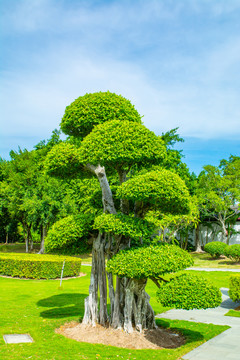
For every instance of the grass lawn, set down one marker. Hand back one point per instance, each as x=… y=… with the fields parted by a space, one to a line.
x=38 y=307
x=233 y=313
x=206 y=261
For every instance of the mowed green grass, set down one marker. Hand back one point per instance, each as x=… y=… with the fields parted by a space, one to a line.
x=206 y=261
x=38 y=307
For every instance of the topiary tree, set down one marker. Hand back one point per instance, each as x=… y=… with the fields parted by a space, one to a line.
x=108 y=140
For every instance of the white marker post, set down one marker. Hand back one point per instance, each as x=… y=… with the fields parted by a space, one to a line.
x=62 y=273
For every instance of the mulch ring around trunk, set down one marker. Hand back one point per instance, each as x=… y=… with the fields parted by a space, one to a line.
x=149 y=339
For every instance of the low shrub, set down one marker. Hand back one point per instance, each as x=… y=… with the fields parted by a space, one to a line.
x=188 y=291
x=233 y=252
x=36 y=266
x=215 y=248
x=234 y=288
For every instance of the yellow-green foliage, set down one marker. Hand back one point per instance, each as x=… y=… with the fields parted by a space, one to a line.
x=233 y=252
x=151 y=261
x=67 y=232
x=121 y=143
x=215 y=248
x=234 y=288
x=63 y=160
x=93 y=109
x=36 y=266
x=188 y=291
x=163 y=189
x=123 y=225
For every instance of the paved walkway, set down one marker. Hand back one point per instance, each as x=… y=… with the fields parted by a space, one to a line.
x=225 y=346
x=212 y=269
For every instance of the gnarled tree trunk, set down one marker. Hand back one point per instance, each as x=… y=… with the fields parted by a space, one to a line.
x=129 y=302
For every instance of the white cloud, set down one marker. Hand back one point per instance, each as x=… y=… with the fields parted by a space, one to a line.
x=97 y=48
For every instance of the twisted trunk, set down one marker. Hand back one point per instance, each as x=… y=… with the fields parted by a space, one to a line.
x=129 y=302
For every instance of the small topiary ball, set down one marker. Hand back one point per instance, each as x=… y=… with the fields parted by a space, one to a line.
x=233 y=252
x=215 y=248
x=188 y=291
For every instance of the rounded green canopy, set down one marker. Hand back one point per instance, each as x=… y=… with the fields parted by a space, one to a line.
x=161 y=189
x=92 y=109
x=151 y=261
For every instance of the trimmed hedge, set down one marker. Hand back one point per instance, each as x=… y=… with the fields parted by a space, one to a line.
x=36 y=266
x=188 y=291
x=233 y=252
x=234 y=288
x=215 y=248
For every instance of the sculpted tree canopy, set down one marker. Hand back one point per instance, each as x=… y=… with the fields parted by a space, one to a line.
x=108 y=141
x=93 y=109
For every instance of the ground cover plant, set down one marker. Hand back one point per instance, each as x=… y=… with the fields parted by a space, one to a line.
x=38 y=307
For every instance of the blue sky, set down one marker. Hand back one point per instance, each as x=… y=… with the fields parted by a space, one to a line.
x=177 y=61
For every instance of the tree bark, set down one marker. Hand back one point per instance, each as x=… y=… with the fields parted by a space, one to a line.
x=198 y=248
x=137 y=311
x=43 y=235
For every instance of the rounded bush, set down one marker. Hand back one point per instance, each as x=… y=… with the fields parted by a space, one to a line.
x=36 y=266
x=233 y=252
x=234 y=288
x=215 y=248
x=188 y=291
x=93 y=109
x=151 y=261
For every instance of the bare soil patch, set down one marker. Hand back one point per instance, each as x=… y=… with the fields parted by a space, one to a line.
x=149 y=339
x=237 y=308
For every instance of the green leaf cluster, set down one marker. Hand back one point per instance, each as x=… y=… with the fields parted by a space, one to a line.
x=234 y=288
x=163 y=190
x=38 y=266
x=125 y=225
x=188 y=291
x=121 y=144
x=232 y=252
x=215 y=248
x=151 y=261
x=63 y=160
x=67 y=232
x=93 y=109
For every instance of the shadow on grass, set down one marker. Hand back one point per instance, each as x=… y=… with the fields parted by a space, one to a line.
x=62 y=305
x=189 y=334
